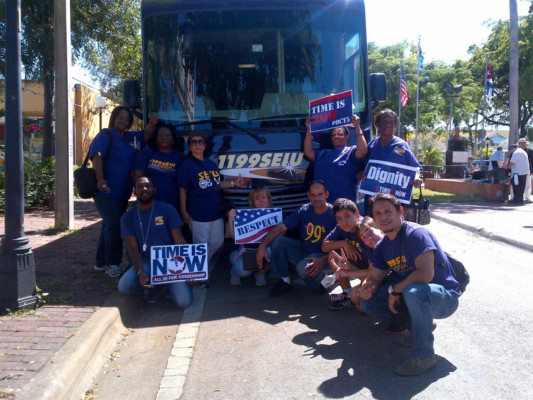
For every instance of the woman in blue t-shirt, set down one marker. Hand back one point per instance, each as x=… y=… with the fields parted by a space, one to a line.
x=337 y=167
x=199 y=183
x=257 y=198
x=112 y=154
x=161 y=165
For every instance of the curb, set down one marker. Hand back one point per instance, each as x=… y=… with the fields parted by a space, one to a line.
x=70 y=371
x=484 y=233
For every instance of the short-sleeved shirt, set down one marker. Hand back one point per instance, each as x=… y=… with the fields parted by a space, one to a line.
x=120 y=160
x=312 y=227
x=157 y=224
x=202 y=181
x=338 y=234
x=399 y=256
x=496 y=156
x=163 y=169
x=396 y=151
x=338 y=169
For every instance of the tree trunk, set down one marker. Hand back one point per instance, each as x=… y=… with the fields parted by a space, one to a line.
x=513 y=75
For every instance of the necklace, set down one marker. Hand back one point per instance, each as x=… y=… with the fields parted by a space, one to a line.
x=145 y=239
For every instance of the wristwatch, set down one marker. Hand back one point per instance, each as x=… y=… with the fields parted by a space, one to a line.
x=391 y=291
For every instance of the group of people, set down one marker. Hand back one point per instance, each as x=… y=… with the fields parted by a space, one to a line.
x=398 y=265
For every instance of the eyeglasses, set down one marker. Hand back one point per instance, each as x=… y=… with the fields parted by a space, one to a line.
x=198 y=142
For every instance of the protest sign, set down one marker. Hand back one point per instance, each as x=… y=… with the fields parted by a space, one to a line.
x=391 y=178
x=331 y=111
x=252 y=224
x=179 y=263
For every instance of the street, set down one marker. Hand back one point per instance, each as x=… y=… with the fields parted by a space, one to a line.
x=251 y=346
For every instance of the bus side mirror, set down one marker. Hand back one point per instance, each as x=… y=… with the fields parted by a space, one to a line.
x=131 y=94
x=378 y=89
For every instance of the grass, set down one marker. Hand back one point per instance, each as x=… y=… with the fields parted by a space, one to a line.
x=441 y=197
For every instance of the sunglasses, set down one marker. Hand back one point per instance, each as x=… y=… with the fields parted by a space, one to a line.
x=198 y=142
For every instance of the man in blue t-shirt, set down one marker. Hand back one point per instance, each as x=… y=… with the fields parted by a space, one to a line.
x=150 y=223
x=313 y=221
x=420 y=275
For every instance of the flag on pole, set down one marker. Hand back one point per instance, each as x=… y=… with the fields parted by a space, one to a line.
x=404 y=96
x=489 y=85
x=420 y=57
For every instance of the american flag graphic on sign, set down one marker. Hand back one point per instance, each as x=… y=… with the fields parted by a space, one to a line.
x=252 y=224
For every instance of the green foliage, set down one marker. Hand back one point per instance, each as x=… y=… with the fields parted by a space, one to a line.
x=432 y=156
x=39 y=184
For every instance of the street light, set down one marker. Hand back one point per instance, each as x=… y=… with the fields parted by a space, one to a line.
x=100 y=102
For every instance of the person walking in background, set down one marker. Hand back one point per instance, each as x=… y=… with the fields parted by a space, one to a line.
x=112 y=153
x=519 y=165
x=522 y=143
x=338 y=167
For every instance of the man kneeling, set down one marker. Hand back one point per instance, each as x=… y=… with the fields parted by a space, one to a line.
x=420 y=273
x=150 y=223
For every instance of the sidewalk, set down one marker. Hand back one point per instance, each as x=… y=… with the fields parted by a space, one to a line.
x=64 y=269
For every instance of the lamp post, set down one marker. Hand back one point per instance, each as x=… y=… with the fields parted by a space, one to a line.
x=101 y=103
x=487 y=143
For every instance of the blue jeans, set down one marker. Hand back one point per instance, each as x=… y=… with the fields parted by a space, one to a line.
x=109 y=247
x=180 y=292
x=425 y=301
x=237 y=267
x=285 y=250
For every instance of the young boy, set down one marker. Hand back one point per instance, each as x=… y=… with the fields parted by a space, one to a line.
x=347 y=255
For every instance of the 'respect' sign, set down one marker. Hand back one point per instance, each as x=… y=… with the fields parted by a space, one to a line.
x=179 y=263
x=331 y=111
x=391 y=178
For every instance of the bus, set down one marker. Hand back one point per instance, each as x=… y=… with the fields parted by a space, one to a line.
x=244 y=71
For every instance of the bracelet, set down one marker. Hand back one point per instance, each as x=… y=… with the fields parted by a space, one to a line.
x=359 y=134
x=139 y=272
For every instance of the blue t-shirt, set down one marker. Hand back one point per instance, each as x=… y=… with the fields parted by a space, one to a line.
x=202 y=181
x=163 y=169
x=338 y=234
x=396 y=151
x=120 y=160
x=312 y=227
x=338 y=168
x=399 y=256
x=155 y=231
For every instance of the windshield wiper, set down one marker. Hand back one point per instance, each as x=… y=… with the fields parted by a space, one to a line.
x=259 y=139
x=280 y=117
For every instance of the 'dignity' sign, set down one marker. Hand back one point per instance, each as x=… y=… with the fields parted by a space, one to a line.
x=391 y=178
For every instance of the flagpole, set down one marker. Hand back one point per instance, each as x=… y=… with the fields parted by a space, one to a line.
x=484 y=97
x=400 y=101
x=417 y=96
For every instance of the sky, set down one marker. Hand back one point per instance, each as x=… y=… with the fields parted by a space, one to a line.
x=446 y=28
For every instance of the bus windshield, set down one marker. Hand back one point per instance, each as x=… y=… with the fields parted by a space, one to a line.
x=250 y=67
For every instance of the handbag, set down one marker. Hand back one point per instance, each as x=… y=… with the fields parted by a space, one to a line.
x=418 y=210
x=85 y=177
x=249 y=261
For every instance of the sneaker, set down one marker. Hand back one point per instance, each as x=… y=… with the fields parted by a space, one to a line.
x=416 y=366
x=99 y=267
x=280 y=288
x=235 y=280
x=260 y=279
x=114 y=271
x=341 y=304
x=336 y=297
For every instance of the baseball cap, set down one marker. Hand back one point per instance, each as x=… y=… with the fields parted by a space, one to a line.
x=513 y=146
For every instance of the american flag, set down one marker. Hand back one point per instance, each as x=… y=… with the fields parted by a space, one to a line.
x=404 y=96
x=489 y=85
x=252 y=224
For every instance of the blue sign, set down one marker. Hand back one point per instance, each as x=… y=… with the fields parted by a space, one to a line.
x=331 y=111
x=179 y=263
x=391 y=178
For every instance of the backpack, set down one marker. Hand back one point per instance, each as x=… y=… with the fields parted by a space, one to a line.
x=461 y=274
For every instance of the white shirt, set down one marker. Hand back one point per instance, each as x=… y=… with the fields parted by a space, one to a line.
x=520 y=162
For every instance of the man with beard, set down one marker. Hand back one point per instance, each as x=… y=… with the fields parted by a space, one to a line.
x=313 y=221
x=150 y=223
x=420 y=272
